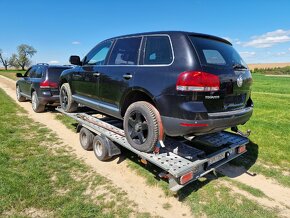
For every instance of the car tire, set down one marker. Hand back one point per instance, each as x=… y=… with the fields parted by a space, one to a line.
x=65 y=98
x=100 y=147
x=142 y=126
x=36 y=106
x=19 y=97
x=86 y=139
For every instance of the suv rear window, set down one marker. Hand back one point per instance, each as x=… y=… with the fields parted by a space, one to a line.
x=216 y=53
x=157 y=50
x=125 y=51
x=54 y=73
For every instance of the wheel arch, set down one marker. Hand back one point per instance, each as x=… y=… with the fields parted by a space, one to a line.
x=134 y=95
x=32 y=89
x=62 y=81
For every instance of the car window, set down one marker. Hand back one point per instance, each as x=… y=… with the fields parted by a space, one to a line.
x=39 y=72
x=54 y=73
x=157 y=50
x=27 y=72
x=216 y=53
x=32 y=72
x=213 y=57
x=98 y=55
x=125 y=51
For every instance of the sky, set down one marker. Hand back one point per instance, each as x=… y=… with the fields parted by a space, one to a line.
x=258 y=29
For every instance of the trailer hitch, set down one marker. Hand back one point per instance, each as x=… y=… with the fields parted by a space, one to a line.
x=239 y=132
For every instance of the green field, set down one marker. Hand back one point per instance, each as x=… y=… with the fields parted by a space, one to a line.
x=11 y=73
x=273 y=71
x=36 y=181
x=270 y=127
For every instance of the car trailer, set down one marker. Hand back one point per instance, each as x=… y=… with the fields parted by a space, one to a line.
x=182 y=160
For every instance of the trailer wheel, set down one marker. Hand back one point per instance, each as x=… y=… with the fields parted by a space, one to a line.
x=142 y=126
x=66 y=101
x=100 y=146
x=86 y=139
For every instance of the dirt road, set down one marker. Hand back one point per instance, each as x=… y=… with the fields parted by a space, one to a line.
x=151 y=199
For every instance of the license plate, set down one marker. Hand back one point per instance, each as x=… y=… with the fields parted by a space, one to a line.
x=216 y=158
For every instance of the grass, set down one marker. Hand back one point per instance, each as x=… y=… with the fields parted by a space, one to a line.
x=215 y=200
x=268 y=85
x=11 y=73
x=253 y=191
x=37 y=176
x=166 y=206
x=273 y=71
x=270 y=129
x=69 y=122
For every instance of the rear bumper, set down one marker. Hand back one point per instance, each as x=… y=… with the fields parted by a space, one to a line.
x=215 y=122
x=49 y=100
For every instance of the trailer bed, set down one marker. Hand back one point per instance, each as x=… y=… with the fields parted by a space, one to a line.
x=197 y=156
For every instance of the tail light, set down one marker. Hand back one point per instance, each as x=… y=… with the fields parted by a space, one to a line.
x=198 y=82
x=186 y=178
x=241 y=149
x=48 y=84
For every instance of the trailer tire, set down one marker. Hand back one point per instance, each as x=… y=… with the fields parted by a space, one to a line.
x=86 y=139
x=65 y=98
x=142 y=126
x=100 y=148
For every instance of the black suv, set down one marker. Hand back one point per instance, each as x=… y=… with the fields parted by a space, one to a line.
x=40 y=85
x=177 y=83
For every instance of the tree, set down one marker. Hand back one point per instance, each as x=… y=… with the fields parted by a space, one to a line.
x=4 y=60
x=13 y=61
x=22 y=58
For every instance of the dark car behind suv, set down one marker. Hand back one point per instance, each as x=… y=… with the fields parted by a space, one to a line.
x=177 y=83
x=40 y=85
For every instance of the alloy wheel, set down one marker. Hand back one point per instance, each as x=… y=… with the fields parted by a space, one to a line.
x=34 y=101
x=138 y=127
x=64 y=98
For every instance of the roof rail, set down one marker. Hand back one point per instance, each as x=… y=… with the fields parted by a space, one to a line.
x=42 y=64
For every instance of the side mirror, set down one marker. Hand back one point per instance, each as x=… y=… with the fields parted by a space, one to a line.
x=75 y=60
x=19 y=75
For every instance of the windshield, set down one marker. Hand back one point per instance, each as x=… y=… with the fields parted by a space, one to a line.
x=215 y=53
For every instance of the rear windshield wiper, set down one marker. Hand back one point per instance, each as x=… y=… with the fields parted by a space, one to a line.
x=239 y=66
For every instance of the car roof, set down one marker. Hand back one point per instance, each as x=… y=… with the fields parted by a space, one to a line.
x=53 y=66
x=175 y=33
x=60 y=66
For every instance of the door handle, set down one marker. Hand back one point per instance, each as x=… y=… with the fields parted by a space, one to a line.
x=96 y=74
x=127 y=76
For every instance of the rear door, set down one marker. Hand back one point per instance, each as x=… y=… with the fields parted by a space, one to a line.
x=27 y=81
x=122 y=65
x=220 y=58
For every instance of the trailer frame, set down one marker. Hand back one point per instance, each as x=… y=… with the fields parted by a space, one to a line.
x=182 y=160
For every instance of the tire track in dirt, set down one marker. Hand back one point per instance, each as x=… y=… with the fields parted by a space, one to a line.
x=148 y=199
x=279 y=195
